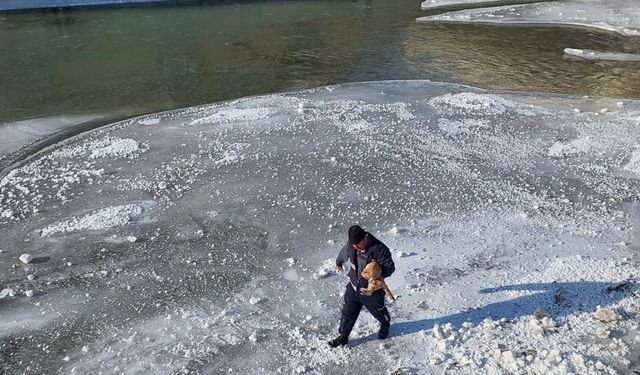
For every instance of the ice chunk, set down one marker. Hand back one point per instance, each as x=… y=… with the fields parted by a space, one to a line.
x=253 y=337
x=255 y=300
x=605 y=315
x=7 y=292
x=290 y=261
x=589 y=54
x=328 y=268
x=150 y=121
x=26 y=258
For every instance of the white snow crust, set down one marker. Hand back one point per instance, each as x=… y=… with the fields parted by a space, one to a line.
x=105 y=218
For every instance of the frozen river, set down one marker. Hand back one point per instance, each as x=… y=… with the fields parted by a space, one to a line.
x=203 y=239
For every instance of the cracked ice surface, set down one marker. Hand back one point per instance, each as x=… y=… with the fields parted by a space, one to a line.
x=620 y=16
x=202 y=240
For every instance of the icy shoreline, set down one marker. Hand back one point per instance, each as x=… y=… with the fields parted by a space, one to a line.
x=202 y=239
x=619 y=16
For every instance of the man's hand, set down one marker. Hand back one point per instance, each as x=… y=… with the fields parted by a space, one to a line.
x=339 y=268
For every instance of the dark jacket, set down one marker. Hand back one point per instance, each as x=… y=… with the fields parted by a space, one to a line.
x=376 y=250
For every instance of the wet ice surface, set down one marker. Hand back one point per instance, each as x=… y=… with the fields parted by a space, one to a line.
x=201 y=241
x=620 y=16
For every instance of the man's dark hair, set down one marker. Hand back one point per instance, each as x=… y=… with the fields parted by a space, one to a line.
x=356 y=234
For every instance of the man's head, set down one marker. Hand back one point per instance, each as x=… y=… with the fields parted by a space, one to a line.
x=358 y=237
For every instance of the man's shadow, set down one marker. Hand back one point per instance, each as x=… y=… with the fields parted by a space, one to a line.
x=557 y=299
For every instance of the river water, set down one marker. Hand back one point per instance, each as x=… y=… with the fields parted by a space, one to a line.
x=137 y=60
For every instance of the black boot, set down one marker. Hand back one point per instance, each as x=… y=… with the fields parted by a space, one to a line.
x=383 y=333
x=339 y=341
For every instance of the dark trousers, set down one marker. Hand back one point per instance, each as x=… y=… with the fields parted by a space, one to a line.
x=353 y=303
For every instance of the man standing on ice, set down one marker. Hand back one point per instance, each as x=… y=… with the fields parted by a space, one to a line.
x=360 y=249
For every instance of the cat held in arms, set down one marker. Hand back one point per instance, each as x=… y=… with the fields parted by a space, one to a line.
x=373 y=273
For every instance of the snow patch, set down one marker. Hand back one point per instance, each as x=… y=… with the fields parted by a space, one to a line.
x=102 y=148
x=105 y=218
x=119 y=148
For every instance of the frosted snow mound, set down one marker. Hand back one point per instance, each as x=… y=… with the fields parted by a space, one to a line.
x=118 y=148
x=571 y=148
x=599 y=55
x=101 y=148
x=105 y=218
x=620 y=16
x=469 y=103
x=228 y=115
x=475 y=104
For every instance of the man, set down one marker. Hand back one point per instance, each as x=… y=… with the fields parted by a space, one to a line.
x=360 y=249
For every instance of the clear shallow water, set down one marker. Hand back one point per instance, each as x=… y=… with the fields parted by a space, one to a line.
x=138 y=60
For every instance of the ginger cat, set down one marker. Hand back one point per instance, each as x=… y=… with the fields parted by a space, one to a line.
x=373 y=273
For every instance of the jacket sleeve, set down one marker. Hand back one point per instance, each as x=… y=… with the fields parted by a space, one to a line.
x=342 y=256
x=386 y=263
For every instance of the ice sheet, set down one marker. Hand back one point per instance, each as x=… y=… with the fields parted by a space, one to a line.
x=435 y=4
x=202 y=239
x=620 y=16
